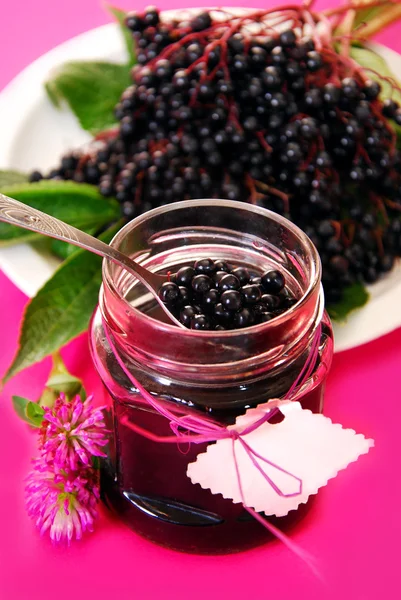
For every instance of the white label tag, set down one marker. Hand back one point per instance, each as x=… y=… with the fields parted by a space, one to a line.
x=305 y=447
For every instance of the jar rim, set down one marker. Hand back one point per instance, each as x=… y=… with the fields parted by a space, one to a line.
x=314 y=280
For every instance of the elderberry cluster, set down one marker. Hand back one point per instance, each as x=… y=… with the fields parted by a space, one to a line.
x=212 y=295
x=215 y=111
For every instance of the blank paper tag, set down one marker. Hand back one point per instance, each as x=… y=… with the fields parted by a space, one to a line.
x=307 y=445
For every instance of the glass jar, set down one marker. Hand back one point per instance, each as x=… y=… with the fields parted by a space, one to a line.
x=216 y=373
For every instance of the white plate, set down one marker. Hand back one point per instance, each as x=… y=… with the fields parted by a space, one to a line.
x=34 y=135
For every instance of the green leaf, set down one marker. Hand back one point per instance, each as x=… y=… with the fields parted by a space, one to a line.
x=78 y=204
x=60 y=380
x=35 y=413
x=8 y=178
x=28 y=411
x=119 y=16
x=91 y=89
x=376 y=68
x=66 y=383
x=20 y=405
x=355 y=296
x=61 y=309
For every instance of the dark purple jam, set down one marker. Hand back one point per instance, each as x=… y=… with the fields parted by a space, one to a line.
x=153 y=495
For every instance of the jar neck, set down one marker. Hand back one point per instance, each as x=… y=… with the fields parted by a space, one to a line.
x=200 y=358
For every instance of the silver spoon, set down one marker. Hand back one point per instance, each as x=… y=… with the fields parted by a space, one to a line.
x=17 y=213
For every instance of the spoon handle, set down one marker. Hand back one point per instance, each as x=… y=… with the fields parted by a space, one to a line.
x=16 y=213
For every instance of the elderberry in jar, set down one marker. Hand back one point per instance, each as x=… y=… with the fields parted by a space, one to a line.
x=213 y=373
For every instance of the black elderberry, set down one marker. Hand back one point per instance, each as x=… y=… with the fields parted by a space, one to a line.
x=287 y=38
x=389 y=108
x=228 y=282
x=258 y=56
x=339 y=265
x=288 y=303
x=201 y=284
x=242 y=274
x=278 y=101
x=308 y=128
x=214 y=159
x=35 y=176
x=270 y=301
x=222 y=314
x=272 y=78
x=163 y=69
x=210 y=299
x=313 y=99
x=297 y=86
x=325 y=229
x=218 y=275
x=178 y=187
x=151 y=17
x=371 y=90
x=134 y=22
x=201 y=21
x=278 y=56
x=264 y=317
x=369 y=221
x=236 y=43
x=273 y=282
x=307 y=45
x=184 y=113
x=187 y=314
x=239 y=65
x=386 y=263
x=300 y=180
x=250 y=123
x=231 y=300
x=185 y=296
x=333 y=246
x=92 y=174
x=231 y=191
x=397 y=116
x=357 y=174
x=363 y=111
x=314 y=61
x=128 y=210
x=243 y=318
x=205 y=266
x=350 y=88
x=190 y=175
x=220 y=265
x=293 y=69
x=371 y=275
x=169 y=293
x=323 y=160
x=68 y=162
x=251 y=293
x=201 y=322
x=209 y=146
x=292 y=153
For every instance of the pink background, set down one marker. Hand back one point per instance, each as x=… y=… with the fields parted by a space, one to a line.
x=355 y=528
